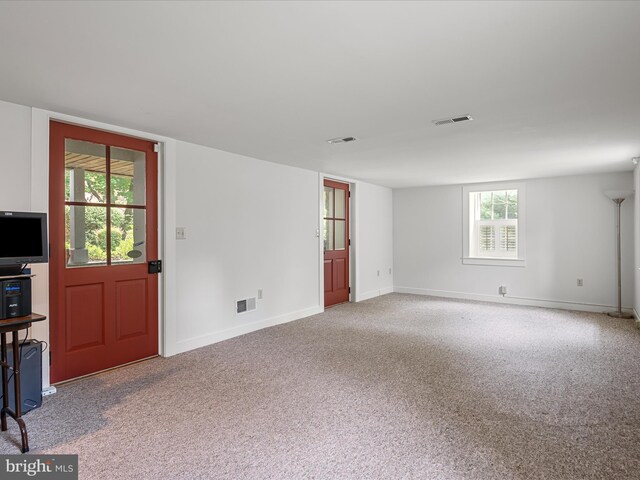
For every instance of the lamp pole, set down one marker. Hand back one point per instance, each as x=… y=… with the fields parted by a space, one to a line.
x=619 y=313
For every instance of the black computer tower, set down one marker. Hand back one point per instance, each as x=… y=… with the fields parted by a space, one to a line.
x=30 y=376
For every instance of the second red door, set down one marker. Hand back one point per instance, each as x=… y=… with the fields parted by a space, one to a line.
x=336 y=243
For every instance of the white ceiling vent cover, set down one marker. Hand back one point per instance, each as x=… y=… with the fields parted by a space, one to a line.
x=246 y=305
x=341 y=140
x=446 y=121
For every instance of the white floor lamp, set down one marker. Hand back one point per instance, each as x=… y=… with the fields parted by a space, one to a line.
x=618 y=196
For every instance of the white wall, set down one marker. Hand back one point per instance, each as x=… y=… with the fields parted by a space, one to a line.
x=636 y=202
x=15 y=157
x=570 y=235
x=250 y=225
x=373 y=237
x=16 y=193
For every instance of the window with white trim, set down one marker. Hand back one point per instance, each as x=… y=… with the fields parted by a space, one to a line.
x=494 y=224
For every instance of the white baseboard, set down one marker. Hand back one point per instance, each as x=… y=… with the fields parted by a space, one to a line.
x=531 y=302
x=361 y=296
x=386 y=290
x=215 y=337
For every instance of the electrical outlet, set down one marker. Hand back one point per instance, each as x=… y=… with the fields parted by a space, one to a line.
x=49 y=391
x=181 y=233
x=378 y=272
x=502 y=289
x=260 y=294
x=389 y=270
x=580 y=282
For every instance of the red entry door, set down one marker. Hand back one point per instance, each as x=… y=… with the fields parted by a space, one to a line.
x=103 y=231
x=336 y=243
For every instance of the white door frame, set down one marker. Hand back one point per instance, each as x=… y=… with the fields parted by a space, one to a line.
x=353 y=219
x=166 y=222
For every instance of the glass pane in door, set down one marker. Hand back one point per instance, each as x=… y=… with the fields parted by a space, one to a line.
x=340 y=236
x=128 y=176
x=328 y=202
x=85 y=172
x=85 y=235
x=128 y=235
x=339 y=203
x=328 y=235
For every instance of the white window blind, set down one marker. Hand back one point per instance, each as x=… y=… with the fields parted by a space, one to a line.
x=495 y=224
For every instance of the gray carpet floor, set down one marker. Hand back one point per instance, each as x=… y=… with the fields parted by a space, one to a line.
x=399 y=386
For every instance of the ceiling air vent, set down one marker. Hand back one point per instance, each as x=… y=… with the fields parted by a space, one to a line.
x=445 y=121
x=342 y=140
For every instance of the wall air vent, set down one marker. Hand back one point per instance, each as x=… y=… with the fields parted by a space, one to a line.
x=342 y=140
x=445 y=121
x=246 y=305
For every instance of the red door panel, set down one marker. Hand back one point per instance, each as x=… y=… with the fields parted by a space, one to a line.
x=84 y=317
x=103 y=230
x=340 y=273
x=336 y=243
x=328 y=276
x=131 y=308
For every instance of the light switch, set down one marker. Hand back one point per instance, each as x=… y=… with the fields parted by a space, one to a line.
x=181 y=233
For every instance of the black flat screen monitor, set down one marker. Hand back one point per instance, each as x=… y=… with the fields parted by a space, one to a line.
x=23 y=240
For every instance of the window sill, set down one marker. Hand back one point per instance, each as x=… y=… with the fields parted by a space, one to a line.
x=495 y=262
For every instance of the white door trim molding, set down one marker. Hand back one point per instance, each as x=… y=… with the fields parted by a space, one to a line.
x=166 y=221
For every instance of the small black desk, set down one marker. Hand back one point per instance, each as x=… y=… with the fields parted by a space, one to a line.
x=14 y=325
